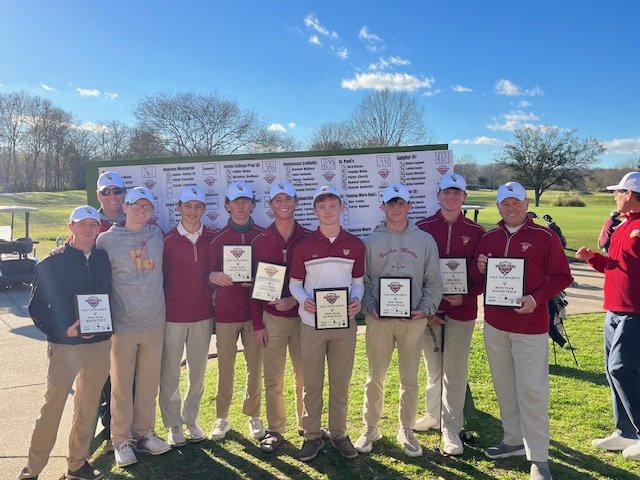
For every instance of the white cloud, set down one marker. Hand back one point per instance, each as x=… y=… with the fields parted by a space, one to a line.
x=395 y=82
x=86 y=92
x=508 y=122
x=341 y=52
x=276 y=127
x=623 y=146
x=91 y=127
x=111 y=95
x=47 y=88
x=292 y=124
x=312 y=22
x=461 y=89
x=432 y=93
x=389 y=62
x=510 y=89
x=478 y=141
x=524 y=104
x=315 y=40
x=371 y=41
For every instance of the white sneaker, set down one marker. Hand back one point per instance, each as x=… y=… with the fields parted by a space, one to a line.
x=364 y=443
x=426 y=423
x=452 y=443
x=614 y=442
x=409 y=442
x=152 y=444
x=220 y=429
x=124 y=454
x=194 y=433
x=256 y=428
x=632 y=452
x=175 y=437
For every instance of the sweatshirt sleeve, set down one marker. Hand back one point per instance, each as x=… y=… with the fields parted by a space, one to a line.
x=599 y=262
x=368 y=299
x=432 y=281
x=40 y=303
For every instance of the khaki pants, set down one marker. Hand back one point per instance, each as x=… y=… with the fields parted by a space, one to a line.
x=338 y=347
x=196 y=338
x=88 y=365
x=136 y=356
x=283 y=333
x=382 y=336
x=226 y=343
x=520 y=370
x=457 y=344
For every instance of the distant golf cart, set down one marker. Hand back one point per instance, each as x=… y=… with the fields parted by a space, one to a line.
x=16 y=266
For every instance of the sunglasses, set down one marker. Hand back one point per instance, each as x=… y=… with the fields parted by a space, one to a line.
x=105 y=192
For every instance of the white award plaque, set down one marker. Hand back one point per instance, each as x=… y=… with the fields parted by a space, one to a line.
x=94 y=313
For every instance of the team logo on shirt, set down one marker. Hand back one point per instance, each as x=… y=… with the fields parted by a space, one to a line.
x=93 y=301
x=453 y=265
x=525 y=246
x=465 y=240
x=345 y=251
x=505 y=267
x=395 y=286
x=210 y=181
x=331 y=298
x=237 y=252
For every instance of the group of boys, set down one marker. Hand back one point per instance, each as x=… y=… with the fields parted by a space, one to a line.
x=143 y=273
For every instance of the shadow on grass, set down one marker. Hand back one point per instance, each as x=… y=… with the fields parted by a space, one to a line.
x=571 y=372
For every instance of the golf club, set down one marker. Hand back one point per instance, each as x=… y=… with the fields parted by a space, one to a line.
x=438 y=448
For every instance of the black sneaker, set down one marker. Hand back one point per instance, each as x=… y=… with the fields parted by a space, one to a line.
x=310 y=449
x=345 y=447
x=85 y=472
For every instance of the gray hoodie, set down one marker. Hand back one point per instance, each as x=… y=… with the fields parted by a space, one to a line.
x=137 y=298
x=411 y=253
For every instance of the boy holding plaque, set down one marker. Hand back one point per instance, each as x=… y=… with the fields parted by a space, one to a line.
x=276 y=323
x=189 y=317
x=447 y=371
x=138 y=308
x=230 y=261
x=327 y=281
x=516 y=337
x=79 y=270
x=402 y=289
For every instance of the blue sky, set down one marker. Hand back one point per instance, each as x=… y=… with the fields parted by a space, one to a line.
x=479 y=68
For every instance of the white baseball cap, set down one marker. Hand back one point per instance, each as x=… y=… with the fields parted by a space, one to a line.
x=511 y=190
x=325 y=190
x=452 y=180
x=397 y=190
x=239 y=190
x=138 y=193
x=192 y=192
x=282 y=187
x=84 y=212
x=109 y=178
x=631 y=181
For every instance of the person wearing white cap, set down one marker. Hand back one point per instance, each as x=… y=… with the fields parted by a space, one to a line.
x=516 y=338
x=276 y=324
x=328 y=258
x=233 y=315
x=621 y=268
x=110 y=192
x=83 y=359
x=397 y=248
x=138 y=314
x=189 y=317
x=447 y=369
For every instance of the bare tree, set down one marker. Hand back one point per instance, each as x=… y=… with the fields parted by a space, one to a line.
x=492 y=175
x=13 y=128
x=191 y=124
x=630 y=164
x=331 y=136
x=145 y=144
x=544 y=156
x=388 y=119
x=271 y=141
x=113 y=140
x=467 y=166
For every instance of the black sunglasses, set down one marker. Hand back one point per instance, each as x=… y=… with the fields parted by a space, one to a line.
x=107 y=191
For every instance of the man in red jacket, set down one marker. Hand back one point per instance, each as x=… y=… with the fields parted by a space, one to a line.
x=233 y=314
x=276 y=324
x=621 y=268
x=516 y=338
x=189 y=317
x=457 y=237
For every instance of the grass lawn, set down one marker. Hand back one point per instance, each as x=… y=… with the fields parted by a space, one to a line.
x=580 y=411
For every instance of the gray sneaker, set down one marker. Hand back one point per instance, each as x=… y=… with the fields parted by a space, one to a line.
x=364 y=443
x=503 y=451
x=345 y=447
x=310 y=449
x=540 y=471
